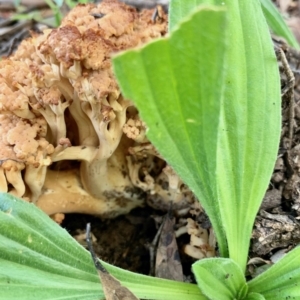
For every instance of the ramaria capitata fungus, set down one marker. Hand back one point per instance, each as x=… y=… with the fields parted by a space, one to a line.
x=69 y=140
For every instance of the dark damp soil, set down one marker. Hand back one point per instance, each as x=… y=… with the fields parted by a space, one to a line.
x=124 y=241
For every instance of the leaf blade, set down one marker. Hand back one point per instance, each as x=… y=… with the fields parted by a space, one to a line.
x=225 y=187
x=250 y=124
x=281 y=281
x=40 y=260
x=277 y=23
x=220 y=278
x=190 y=62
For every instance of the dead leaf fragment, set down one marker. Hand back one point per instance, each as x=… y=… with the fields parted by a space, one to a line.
x=168 y=264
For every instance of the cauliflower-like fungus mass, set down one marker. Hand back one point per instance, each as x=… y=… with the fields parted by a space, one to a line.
x=70 y=142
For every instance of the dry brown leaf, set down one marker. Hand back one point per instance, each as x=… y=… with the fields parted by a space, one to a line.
x=168 y=264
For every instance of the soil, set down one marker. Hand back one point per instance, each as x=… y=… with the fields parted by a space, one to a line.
x=125 y=241
x=122 y=241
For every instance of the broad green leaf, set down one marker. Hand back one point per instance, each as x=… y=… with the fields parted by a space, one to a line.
x=250 y=125
x=255 y=296
x=178 y=95
x=179 y=10
x=40 y=260
x=249 y=129
x=282 y=280
x=220 y=278
x=177 y=85
x=277 y=23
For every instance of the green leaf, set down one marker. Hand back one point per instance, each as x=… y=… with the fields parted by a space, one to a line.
x=40 y=260
x=52 y=5
x=282 y=280
x=34 y=15
x=226 y=157
x=255 y=296
x=277 y=23
x=59 y=3
x=71 y=3
x=177 y=85
x=56 y=11
x=251 y=80
x=250 y=124
x=220 y=278
x=179 y=10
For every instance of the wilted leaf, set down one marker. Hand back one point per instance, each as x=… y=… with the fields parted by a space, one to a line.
x=168 y=264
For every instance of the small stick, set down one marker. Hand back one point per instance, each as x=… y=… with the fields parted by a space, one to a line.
x=153 y=248
x=96 y=261
x=288 y=91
